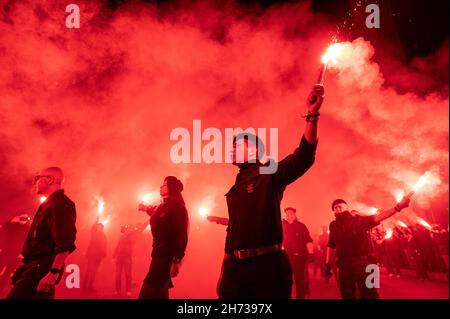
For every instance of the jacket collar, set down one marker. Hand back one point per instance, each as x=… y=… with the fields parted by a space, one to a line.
x=343 y=216
x=55 y=194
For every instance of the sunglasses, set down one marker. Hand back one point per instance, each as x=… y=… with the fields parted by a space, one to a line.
x=38 y=177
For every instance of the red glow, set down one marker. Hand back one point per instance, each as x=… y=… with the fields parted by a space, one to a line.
x=100 y=206
x=150 y=198
x=332 y=53
x=424 y=223
x=203 y=212
x=389 y=233
x=101 y=102
x=402 y=224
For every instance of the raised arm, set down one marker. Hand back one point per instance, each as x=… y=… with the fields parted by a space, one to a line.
x=385 y=214
x=296 y=164
x=315 y=101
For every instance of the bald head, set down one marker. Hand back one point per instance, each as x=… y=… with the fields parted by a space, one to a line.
x=49 y=180
x=55 y=173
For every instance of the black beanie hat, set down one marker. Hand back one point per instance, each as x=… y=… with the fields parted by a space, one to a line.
x=174 y=184
x=254 y=138
x=338 y=201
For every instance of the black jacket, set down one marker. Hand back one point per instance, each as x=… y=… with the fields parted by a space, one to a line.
x=254 y=200
x=169 y=226
x=296 y=238
x=53 y=230
x=97 y=245
x=349 y=235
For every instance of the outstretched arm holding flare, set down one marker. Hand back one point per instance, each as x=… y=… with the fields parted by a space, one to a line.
x=385 y=214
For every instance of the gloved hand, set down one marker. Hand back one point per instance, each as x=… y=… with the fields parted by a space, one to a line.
x=328 y=272
x=403 y=203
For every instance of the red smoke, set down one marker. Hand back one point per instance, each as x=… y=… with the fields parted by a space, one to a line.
x=102 y=100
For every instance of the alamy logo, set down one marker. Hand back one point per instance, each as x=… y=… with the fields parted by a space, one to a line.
x=73 y=19
x=73 y=278
x=373 y=19
x=189 y=147
x=373 y=279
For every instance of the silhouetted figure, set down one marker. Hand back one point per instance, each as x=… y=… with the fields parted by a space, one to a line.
x=422 y=245
x=169 y=224
x=350 y=238
x=320 y=253
x=298 y=244
x=394 y=253
x=96 y=252
x=123 y=255
x=50 y=240
x=255 y=264
x=12 y=234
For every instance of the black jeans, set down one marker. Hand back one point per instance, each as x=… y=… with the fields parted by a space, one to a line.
x=26 y=279
x=150 y=292
x=301 y=275
x=123 y=265
x=268 y=276
x=157 y=283
x=352 y=275
x=93 y=265
x=9 y=264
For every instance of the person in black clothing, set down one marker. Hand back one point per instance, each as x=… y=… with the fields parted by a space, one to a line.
x=123 y=255
x=321 y=253
x=298 y=245
x=394 y=253
x=422 y=245
x=50 y=240
x=96 y=252
x=12 y=234
x=349 y=236
x=255 y=265
x=169 y=224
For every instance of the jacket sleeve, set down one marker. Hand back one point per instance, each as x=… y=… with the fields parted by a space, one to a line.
x=296 y=164
x=62 y=226
x=180 y=228
x=228 y=249
x=332 y=237
x=364 y=223
x=308 y=238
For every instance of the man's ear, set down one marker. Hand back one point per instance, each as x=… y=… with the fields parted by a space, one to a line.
x=51 y=180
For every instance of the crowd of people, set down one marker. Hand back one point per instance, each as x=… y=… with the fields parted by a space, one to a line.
x=263 y=254
x=415 y=248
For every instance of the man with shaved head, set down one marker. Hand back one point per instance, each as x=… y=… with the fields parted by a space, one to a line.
x=50 y=240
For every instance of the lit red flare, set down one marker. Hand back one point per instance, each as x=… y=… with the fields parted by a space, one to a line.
x=389 y=233
x=398 y=195
x=100 y=206
x=423 y=222
x=104 y=221
x=42 y=199
x=330 y=55
x=150 y=197
x=203 y=212
x=423 y=180
x=402 y=224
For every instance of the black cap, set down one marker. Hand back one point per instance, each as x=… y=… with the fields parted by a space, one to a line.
x=252 y=137
x=338 y=201
x=290 y=208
